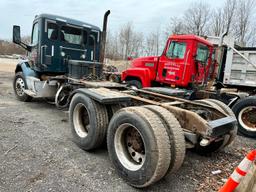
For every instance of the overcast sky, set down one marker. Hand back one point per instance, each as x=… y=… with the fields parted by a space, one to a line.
x=146 y=15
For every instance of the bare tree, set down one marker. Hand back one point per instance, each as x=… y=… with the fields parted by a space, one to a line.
x=109 y=46
x=26 y=39
x=123 y=43
x=152 y=43
x=136 y=48
x=9 y=48
x=197 y=18
x=243 y=25
x=228 y=13
x=235 y=16
x=130 y=40
x=176 y=26
x=217 y=22
x=125 y=35
x=223 y=18
x=251 y=39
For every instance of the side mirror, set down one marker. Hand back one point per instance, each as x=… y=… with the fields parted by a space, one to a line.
x=16 y=34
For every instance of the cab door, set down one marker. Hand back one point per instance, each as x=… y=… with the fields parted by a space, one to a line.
x=173 y=64
x=50 y=47
x=201 y=64
x=34 y=55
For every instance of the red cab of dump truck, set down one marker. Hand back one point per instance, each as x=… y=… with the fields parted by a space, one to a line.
x=186 y=60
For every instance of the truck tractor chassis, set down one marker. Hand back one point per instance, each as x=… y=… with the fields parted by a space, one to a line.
x=147 y=133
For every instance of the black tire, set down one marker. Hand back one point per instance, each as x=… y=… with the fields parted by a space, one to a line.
x=214 y=146
x=112 y=109
x=228 y=111
x=88 y=120
x=176 y=136
x=134 y=84
x=138 y=132
x=19 y=84
x=114 y=78
x=245 y=111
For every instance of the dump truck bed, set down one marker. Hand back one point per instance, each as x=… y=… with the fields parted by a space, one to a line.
x=238 y=71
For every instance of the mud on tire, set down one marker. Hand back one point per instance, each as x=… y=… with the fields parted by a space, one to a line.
x=138 y=146
x=88 y=120
x=176 y=136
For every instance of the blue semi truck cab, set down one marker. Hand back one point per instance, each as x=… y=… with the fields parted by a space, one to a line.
x=59 y=46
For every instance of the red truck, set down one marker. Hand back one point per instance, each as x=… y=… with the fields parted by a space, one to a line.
x=184 y=61
x=191 y=62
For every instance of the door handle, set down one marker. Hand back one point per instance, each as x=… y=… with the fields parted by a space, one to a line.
x=42 y=48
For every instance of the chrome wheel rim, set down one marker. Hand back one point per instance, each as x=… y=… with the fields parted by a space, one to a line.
x=81 y=120
x=130 y=147
x=247 y=118
x=19 y=86
x=134 y=87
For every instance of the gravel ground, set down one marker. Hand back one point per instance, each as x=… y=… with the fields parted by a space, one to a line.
x=37 y=154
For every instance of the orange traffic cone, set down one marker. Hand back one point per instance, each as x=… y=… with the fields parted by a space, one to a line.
x=239 y=173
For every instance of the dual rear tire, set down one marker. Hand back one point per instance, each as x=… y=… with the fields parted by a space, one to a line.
x=144 y=143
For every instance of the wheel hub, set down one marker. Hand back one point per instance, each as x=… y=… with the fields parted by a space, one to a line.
x=19 y=86
x=81 y=120
x=129 y=146
x=247 y=118
x=135 y=145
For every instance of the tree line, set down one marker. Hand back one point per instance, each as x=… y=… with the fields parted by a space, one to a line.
x=236 y=17
x=9 y=48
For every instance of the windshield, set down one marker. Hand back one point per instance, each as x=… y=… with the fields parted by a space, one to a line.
x=202 y=53
x=71 y=35
x=176 y=50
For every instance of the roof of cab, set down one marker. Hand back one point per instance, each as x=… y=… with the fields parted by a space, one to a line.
x=191 y=37
x=67 y=20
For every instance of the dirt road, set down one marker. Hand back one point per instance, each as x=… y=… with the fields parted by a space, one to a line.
x=37 y=153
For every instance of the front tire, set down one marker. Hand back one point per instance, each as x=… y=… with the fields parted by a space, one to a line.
x=134 y=84
x=245 y=111
x=115 y=78
x=138 y=146
x=19 y=85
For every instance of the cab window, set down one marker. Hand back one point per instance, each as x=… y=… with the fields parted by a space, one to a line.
x=71 y=35
x=176 y=50
x=93 y=38
x=85 y=36
x=52 y=31
x=202 y=53
x=34 y=39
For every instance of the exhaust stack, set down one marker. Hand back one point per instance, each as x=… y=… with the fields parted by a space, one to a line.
x=103 y=36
